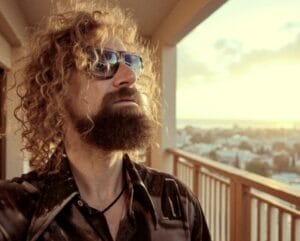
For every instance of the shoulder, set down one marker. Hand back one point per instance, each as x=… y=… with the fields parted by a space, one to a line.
x=167 y=188
x=25 y=185
x=17 y=201
x=156 y=181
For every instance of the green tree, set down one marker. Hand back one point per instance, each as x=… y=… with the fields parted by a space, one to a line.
x=245 y=146
x=213 y=155
x=293 y=161
x=279 y=146
x=237 y=162
x=258 y=167
x=281 y=163
x=190 y=130
x=197 y=138
x=296 y=148
x=262 y=150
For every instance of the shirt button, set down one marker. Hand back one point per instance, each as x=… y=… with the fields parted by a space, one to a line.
x=80 y=203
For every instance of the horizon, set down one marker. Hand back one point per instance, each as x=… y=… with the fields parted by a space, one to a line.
x=235 y=119
x=231 y=123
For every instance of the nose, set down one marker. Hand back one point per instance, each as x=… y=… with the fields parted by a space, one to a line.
x=125 y=76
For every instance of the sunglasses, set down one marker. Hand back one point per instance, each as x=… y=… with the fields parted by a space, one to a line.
x=108 y=62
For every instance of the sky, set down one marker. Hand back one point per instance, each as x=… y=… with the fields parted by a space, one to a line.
x=242 y=62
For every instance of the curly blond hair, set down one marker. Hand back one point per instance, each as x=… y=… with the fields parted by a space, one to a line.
x=54 y=50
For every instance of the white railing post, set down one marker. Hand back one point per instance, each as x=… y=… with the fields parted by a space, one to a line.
x=240 y=209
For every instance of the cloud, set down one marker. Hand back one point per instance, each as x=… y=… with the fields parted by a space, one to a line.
x=190 y=68
x=227 y=47
x=193 y=68
x=288 y=26
x=289 y=53
x=231 y=61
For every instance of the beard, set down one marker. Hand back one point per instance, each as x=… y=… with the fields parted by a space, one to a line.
x=115 y=128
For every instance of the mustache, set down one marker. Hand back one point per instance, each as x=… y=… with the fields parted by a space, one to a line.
x=124 y=92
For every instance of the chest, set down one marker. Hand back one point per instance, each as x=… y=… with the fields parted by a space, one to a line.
x=71 y=224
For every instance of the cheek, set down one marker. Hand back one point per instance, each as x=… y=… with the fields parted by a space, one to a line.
x=94 y=100
x=86 y=94
x=94 y=96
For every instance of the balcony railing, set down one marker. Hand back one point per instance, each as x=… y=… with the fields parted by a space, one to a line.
x=238 y=205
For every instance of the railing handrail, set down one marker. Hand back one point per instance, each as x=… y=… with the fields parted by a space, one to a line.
x=270 y=186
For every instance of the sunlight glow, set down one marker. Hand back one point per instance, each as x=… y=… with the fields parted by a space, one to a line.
x=243 y=62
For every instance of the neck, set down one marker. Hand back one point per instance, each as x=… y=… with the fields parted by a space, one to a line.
x=98 y=174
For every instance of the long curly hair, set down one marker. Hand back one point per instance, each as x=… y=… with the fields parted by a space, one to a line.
x=55 y=49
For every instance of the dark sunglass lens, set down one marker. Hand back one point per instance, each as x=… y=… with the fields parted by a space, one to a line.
x=107 y=64
x=135 y=62
x=109 y=57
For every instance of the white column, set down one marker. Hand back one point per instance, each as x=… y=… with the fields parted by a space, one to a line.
x=167 y=132
x=14 y=157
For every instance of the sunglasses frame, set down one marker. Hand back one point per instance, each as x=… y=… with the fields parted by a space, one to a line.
x=96 y=54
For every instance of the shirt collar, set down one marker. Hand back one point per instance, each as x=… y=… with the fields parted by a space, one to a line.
x=138 y=190
x=60 y=188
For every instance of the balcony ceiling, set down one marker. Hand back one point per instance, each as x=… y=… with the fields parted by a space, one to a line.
x=149 y=14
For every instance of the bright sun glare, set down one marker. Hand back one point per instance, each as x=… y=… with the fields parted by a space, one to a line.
x=243 y=62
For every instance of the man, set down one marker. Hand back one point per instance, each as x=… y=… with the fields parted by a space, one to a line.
x=87 y=99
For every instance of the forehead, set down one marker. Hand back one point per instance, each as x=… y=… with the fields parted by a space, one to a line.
x=115 y=44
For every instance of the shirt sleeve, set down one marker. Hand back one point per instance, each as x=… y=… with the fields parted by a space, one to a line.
x=14 y=208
